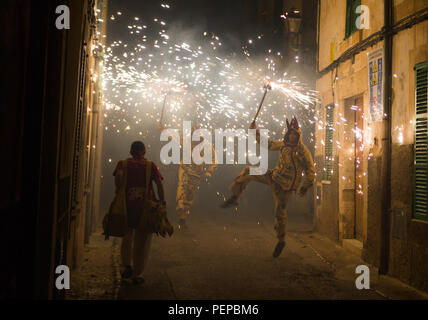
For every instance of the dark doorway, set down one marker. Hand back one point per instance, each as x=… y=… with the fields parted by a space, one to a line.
x=354 y=110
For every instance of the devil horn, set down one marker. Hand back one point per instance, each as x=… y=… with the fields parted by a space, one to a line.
x=288 y=124
x=296 y=123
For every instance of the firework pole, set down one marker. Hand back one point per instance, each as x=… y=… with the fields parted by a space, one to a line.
x=266 y=87
x=163 y=109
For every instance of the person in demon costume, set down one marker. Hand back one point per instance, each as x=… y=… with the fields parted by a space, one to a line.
x=285 y=178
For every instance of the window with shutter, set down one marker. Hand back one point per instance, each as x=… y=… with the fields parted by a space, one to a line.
x=78 y=128
x=420 y=169
x=328 y=157
x=351 y=16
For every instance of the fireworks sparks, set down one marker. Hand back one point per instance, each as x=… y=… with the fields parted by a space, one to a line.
x=204 y=83
x=224 y=88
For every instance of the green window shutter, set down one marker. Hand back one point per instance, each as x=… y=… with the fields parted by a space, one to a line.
x=328 y=156
x=351 y=16
x=420 y=169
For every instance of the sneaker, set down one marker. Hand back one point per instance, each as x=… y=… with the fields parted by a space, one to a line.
x=127 y=272
x=182 y=224
x=278 y=248
x=231 y=202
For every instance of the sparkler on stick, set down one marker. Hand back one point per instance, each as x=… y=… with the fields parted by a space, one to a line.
x=226 y=86
x=172 y=88
x=266 y=87
x=163 y=109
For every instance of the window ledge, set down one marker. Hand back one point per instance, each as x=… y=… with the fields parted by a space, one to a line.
x=418 y=221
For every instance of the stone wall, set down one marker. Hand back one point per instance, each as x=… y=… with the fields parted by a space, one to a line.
x=408 y=251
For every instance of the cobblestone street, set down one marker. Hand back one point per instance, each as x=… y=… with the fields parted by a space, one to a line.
x=230 y=259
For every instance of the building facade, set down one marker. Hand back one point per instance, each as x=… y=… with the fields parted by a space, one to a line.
x=52 y=134
x=371 y=132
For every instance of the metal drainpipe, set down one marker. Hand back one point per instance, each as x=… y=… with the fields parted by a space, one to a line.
x=386 y=143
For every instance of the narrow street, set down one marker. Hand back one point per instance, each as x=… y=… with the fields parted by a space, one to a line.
x=311 y=110
x=230 y=259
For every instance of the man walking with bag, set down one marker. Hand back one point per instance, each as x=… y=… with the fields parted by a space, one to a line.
x=131 y=175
